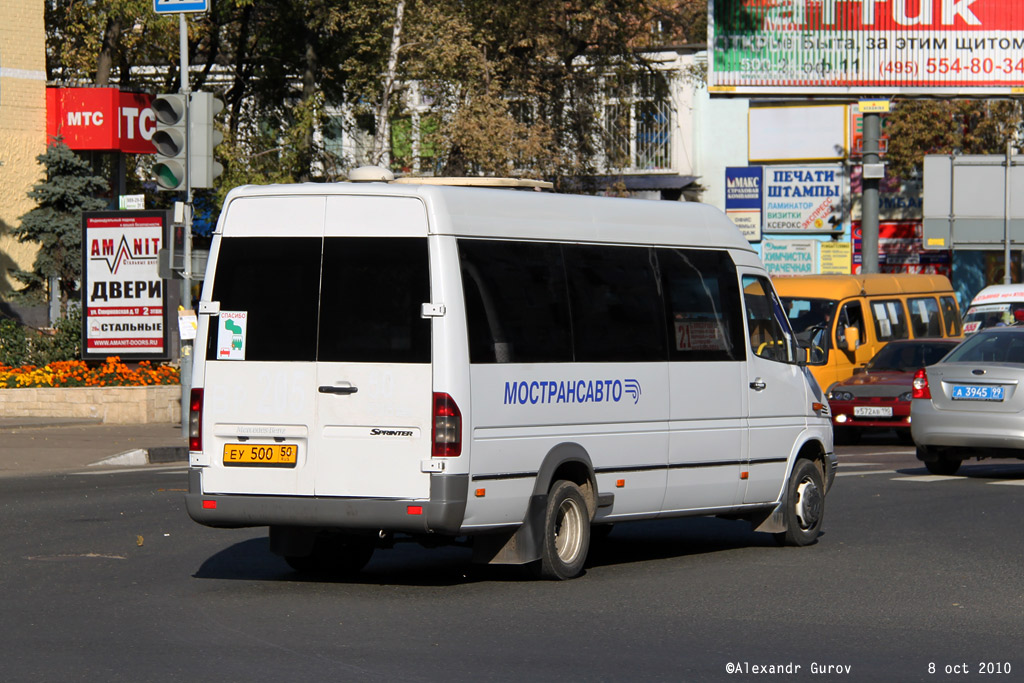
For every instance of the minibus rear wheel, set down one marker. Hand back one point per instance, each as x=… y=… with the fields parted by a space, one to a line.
x=338 y=554
x=804 y=505
x=566 y=538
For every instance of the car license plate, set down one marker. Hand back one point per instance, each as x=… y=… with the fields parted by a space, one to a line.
x=872 y=411
x=962 y=392
x=261 y=454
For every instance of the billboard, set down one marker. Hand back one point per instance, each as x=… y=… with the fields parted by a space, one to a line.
x=789 y=133
x=905 y=47
x=123 y=295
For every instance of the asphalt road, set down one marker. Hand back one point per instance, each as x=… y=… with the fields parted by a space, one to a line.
x=105 y=578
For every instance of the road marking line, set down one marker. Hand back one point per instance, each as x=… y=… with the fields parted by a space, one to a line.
x=1008 y=483
x=858 y=464
x=861 y=454
x=929 y=477
x=861 y=474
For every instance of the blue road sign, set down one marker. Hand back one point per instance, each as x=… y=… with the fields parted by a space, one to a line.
x=173 y=6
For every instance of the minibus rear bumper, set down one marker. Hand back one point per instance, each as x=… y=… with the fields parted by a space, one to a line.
x=442 y=513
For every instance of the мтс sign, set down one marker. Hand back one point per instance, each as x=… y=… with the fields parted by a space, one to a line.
x=866 y=46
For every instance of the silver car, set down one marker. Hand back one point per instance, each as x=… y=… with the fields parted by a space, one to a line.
x=971 y=404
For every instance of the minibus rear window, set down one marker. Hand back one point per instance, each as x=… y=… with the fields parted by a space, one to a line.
x=276 y=282
x=371 y=300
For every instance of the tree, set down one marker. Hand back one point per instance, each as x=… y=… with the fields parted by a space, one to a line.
x=505 y=87
x=920 y=127
x=56 y=223
x=519 y=87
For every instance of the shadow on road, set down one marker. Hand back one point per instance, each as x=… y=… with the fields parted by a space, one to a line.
x=409 y=564
x=986 y=470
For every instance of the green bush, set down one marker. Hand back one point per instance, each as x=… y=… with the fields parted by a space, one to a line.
x=21 y=345
x=14 y=344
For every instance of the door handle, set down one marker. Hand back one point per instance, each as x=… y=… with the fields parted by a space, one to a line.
x=758 y=385
x=328 y=389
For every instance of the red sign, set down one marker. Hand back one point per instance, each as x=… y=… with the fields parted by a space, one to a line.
x=101 y=119
x=900 y=250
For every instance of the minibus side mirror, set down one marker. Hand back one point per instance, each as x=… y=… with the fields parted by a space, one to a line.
x=803 y=356
x=851 y=338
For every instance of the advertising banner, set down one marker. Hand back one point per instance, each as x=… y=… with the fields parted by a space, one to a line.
x=803 y=198
x=790 y=257
x=900 y=250
x=866 y=46
x=743 y=199
x=123 y=295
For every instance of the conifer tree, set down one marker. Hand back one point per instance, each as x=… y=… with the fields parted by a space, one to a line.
x=56 y=223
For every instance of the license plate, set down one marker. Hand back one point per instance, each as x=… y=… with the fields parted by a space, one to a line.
x=261 y=454
x=963 y=392
x=872 y=411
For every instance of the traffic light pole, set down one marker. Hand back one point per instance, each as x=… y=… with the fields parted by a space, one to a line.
x=186 y=274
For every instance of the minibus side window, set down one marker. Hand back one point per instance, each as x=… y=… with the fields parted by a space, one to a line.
x=890 y=322
x=276 y=282
x=617 y=312
x=517 y=302
x=371 y=300
x=951 y=316
x=702 y=302
x=850 y=315
x=924 y=317
x=767 y=325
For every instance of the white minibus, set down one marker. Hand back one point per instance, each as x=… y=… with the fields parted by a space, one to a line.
x=383 y=361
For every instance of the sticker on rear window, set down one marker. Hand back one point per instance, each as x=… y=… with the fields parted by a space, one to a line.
x=231 y=335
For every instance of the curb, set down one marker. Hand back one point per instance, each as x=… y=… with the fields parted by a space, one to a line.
x=161 y=455
x=33 y=422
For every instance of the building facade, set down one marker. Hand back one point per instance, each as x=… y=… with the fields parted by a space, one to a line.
x=22 y=127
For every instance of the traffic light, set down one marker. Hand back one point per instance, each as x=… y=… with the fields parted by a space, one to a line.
x=203 y=137
x=170 y=141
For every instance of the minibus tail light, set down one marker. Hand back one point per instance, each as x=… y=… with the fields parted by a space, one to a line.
x=195 y=420
x=447 y=430
x=921 y=389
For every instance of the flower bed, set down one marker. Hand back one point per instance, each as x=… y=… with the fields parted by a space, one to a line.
x=110 y=392
x=75 y=373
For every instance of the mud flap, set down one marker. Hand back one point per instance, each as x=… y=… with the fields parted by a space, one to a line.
x=519 y=547
x=771 y=522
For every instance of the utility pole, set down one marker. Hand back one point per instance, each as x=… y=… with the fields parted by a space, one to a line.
x=181 y=7
x=872 y=173
x=186 y=270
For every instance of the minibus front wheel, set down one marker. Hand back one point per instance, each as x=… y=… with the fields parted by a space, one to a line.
x=804 y=505
x=566 y=537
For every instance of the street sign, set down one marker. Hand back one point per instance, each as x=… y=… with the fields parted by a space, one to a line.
x=173 y=6
x=966 y=205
